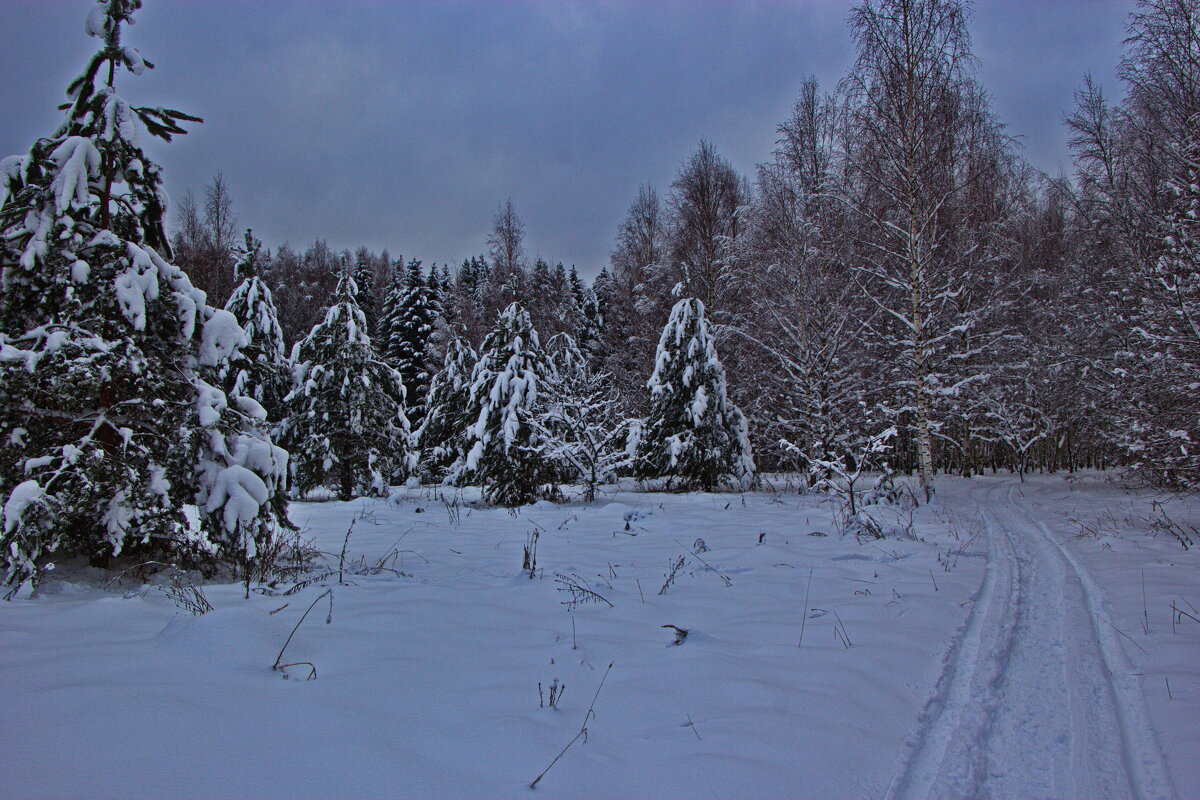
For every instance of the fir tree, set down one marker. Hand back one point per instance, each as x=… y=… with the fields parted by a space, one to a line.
x=694 y=436
x=346 y=427
x=440 y=435
x=504 y=452
x=262 y=372
x=114 y=438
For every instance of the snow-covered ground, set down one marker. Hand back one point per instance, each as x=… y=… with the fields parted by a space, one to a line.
x=998 y=653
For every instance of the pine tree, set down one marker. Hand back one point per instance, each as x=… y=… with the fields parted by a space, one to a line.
x=504 y=453
x=694 y=435
x=346 y=426
x=263 y=371
x=114 y=438
x=440 y=434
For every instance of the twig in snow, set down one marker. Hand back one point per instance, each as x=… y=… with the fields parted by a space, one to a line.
x=804 y=619
x=328 y=619
x=1145 y=613
x=839 y=630
x=1118 y=630
x=582 y=729
x=680 y=633
x=696 y=553
x=674 y=568
x=579 y=590
x=345 y=544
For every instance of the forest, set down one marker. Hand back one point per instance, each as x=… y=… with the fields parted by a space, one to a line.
x=958 y=391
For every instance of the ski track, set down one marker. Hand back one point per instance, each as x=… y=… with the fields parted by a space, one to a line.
x=1037 y=698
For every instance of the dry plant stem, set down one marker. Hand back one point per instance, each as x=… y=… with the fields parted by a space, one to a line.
x=804 y=618
x=840 y=631
x=1131 y=641
x=312 y=674
x=328 y=619
x=127 y=570
x=693 y=727
x=582 y=729
x=342 y=557
x=673 y=570
x=1145 y=613
x=639 y=584
x=725 y=578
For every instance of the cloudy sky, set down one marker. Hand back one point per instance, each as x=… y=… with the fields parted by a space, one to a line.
x=405 y=124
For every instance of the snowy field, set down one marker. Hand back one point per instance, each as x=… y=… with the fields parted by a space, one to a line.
x=1030 y=640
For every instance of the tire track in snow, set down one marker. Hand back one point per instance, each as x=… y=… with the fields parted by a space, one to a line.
x=1034 y=700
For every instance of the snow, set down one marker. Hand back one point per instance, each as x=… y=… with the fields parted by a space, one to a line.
x=220 y=338
x=22 y=496
x=427 y=677
x=239 y=494
x=78 y=160
x=136 y=286
x=96 y=19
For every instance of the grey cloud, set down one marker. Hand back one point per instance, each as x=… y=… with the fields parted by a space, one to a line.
x=404 y=124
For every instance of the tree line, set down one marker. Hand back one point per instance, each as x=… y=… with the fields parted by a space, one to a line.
x=894 y=290
x=897 y=264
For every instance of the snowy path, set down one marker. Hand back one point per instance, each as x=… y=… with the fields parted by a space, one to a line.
x=1038 y=698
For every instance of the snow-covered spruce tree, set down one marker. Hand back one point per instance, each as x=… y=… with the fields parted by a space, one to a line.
x=346 y=426
x=389 y=311
x=580 y=420
x=440 y=435
x=504 y=454
x=405 y=332
x=364 y=279
x=694 y=436
x=262 y=370
x=114 y=438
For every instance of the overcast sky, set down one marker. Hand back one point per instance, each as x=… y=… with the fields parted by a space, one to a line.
x=405 y=124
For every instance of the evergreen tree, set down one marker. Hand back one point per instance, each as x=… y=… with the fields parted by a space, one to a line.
x=503 y=451
x=263 y=370
x=364 y=279
x=589 y=324
x=410 y=324
x=440 y=434
x=114 y=438
x=389 y=313
x=346 y=427
x=694 y=435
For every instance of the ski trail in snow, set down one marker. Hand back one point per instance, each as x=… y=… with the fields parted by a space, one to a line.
x=957 y=716
x=1142 y=754
x=1037 y=698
